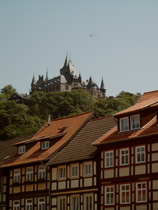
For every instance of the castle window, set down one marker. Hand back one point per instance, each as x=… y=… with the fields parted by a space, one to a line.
x=109 y=159
x=124 y=157
x=124 y=124
x=29 y=174
x=45 y=145
x=16 y=205
x=140 y=154
x=21 y=149
x=109 y=195
x=125 y=194
x=135 y=121
x=141 y=192
x=17 y=176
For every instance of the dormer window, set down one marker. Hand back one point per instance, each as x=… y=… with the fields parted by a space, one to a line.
x=124 y=124
x=45 y=145
x=21 y=149
x=135 y=121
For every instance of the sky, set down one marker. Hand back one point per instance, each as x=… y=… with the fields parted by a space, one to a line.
x=113 y=39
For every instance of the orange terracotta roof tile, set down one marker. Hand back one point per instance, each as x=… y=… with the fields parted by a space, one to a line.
x=71 y=124
x=142 y=104
x=150 y=128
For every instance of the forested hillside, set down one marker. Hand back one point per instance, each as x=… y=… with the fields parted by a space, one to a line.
x=18 y=119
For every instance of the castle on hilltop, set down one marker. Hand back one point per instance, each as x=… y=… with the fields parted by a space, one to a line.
x=67 y=81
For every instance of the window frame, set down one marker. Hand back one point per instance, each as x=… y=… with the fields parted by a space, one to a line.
x=41 y=172
x=29 y=174
x=44 y=145
x=73 y=205
x=16 y=206
x=141 y=191
x=29 y=206
x=140 y=154
x=88 y=171
x=22 y=149
x=60 y=172
x=74 y=174
x=124 y=156
x=132 y=124
x=17 y=176
x=42 y=202
x=125 y=191
x=109 y=161
x=123 y=127
x=88 y=205
x=111 y=195
x=61 y=203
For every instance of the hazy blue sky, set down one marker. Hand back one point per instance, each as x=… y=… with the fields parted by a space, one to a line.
x=36 y=34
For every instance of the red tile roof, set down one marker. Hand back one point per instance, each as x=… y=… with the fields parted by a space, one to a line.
x=83 y=142
x=113 y=135
x=148 y=99
x=71 y=126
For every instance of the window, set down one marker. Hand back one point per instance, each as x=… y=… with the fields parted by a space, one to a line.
x=125 y=194
x=21 y=149
x=109 y=195
x=74 y=171
x=17 y=176
x=87 y=169
x=16 y=205
x=124 y=157
x=29 y=174
x=140 y=154
x=135 y=121
x=29 y=204
x=41 y=172
x=88 y=202
x=62 y=172
x=41 y=204
x=141 y=192
x=62 y=203
x=109 y=159
x=124 y=124
x=75 y=203
x=45 y=145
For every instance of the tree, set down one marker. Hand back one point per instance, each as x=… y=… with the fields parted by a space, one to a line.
x=7 y=91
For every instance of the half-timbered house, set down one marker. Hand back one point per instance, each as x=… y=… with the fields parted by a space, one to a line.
x=6 y=152
x=74 y=170
x=28 y=172
x=129 y=158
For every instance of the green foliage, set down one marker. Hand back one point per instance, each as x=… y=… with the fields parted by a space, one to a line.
x=18 y=119
x=7 y=91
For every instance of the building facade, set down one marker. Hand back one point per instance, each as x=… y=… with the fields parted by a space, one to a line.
x=68 y=80
x=129 y=158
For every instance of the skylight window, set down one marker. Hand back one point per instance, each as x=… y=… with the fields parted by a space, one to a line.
x=45 y=145
x=135 y=121
x=124 y=124
x=21 y=149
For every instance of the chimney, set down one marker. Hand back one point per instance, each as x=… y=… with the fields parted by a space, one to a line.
x=48 y=120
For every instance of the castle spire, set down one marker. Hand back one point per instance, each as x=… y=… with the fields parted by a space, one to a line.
x=66 y=60
x=102 y=87
x=33 y=80
x=46 y=79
